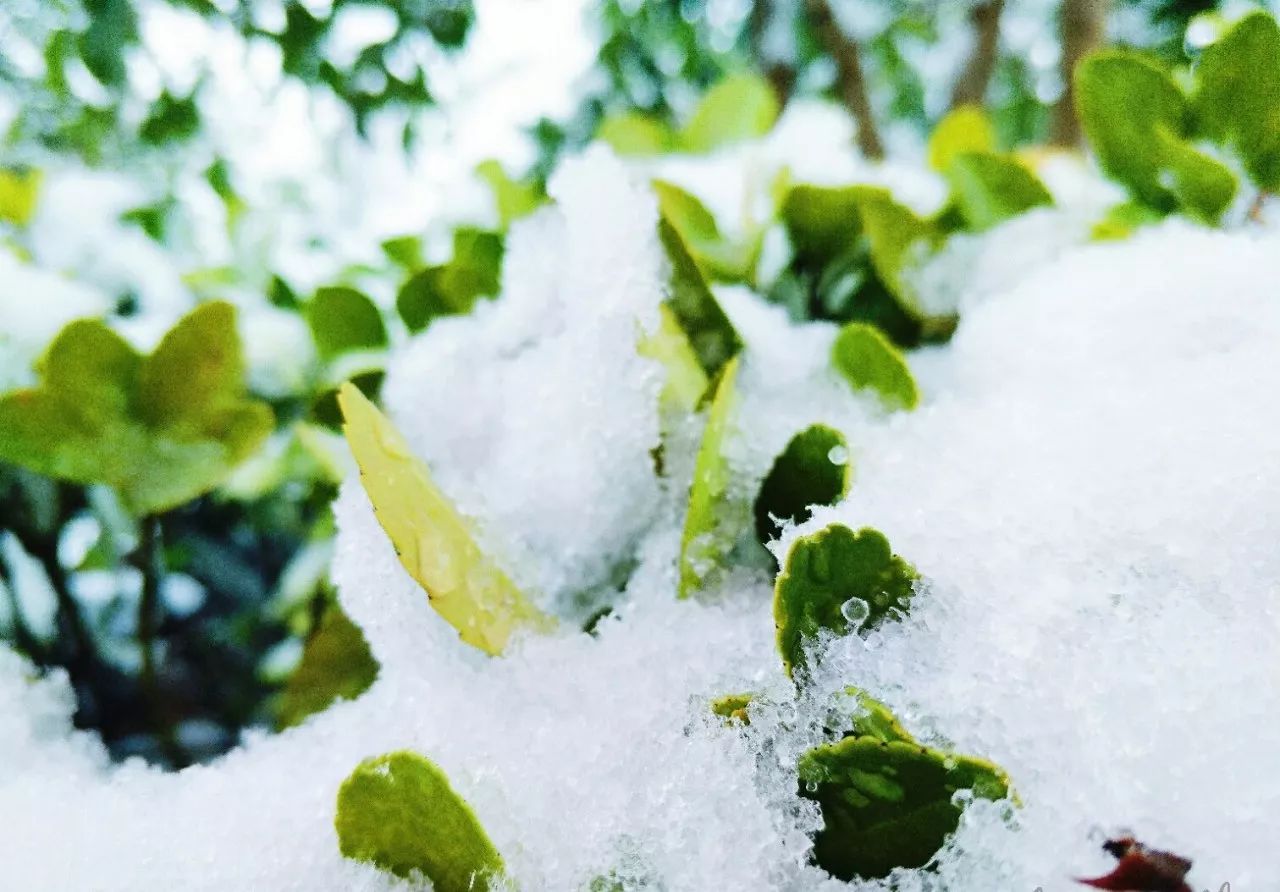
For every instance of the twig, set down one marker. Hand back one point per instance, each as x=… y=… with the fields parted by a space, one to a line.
x=850 y=80
x=971 y=87
x=1083 y=28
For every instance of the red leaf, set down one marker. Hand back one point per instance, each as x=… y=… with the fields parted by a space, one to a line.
x=1141 y=869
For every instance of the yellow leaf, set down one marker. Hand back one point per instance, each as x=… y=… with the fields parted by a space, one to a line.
x=433 y=540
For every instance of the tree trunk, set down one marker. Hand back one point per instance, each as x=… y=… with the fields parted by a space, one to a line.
x=850 y=81
x=1083 y=28
x=972 y=85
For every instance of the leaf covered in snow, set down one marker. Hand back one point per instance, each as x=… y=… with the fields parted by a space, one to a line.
x=888 y=803
x=840 y=581
x=433 y=541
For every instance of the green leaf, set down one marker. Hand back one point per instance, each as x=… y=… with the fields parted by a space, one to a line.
x=1137 y=120
x=336 y=664
x=716 y=256
x=733 y=708
x=405 y=251
x=823 y=221
x=740 y=107
x=343 y=320
x=19 y=189
x=160 y=430
x=989 y=189
x=710 y=333
x=171 y=119
x=876 y=720
x=840 y=581
x=433 y=541
x=474 y=272
x=686 y=381
x=900 y=241
x=1122 y=219
x=868 y=361
x=966 y=128
x=399 y=812
x=513 y=199
x=704 y=542
x=1237 y=96
x=807 y=473
x=635 y=134
x=888 y=803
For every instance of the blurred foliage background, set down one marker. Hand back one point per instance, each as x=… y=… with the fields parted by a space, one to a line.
x=132 y=190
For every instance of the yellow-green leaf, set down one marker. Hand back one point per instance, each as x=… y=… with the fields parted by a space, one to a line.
x=742 y=106
x=966 y=128
x=399 y=812
x=705 y=542
x=19 y=189
x=686 y=381
x=866 y=359
x=433 y=540
x=635 y=134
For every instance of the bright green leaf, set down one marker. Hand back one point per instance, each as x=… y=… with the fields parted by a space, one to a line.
x=966 y=128
x=1237 y=96
x=840 y=581
x=1137 y=121
x=399 y=812
x=19 y=189
x=433 y=541
x=888 y=803
x=989 y=189
x=686 y=381
x=866 y=359
x=635 y=134
x=336 y=664
x=740 y=107
x=814 y=469
x=718 y=257
x=514 y=199
x=1122 y=219
x=405 y=251
x=343 y=320
x=900 y=241
x=704 y=543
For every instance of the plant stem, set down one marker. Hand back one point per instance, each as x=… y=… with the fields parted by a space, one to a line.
x=45 y=551
x=1083 y=27
x=850 y=80
x=22 y=636
x=149 y=559
x=971 y=87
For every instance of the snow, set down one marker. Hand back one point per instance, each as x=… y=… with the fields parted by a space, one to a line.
x=1091 y=490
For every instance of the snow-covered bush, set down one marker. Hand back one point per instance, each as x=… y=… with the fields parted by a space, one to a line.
x=751 y=518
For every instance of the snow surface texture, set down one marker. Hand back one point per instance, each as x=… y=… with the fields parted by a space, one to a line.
x=1091 y=490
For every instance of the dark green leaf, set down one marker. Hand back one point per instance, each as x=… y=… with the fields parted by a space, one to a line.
x=710 y=333
x=840 y=581
x=888 y=803
x=814 y=469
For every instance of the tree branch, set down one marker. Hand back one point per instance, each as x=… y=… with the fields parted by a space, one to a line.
x=1083 y=27
x=850 y=81
x=971 y=87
